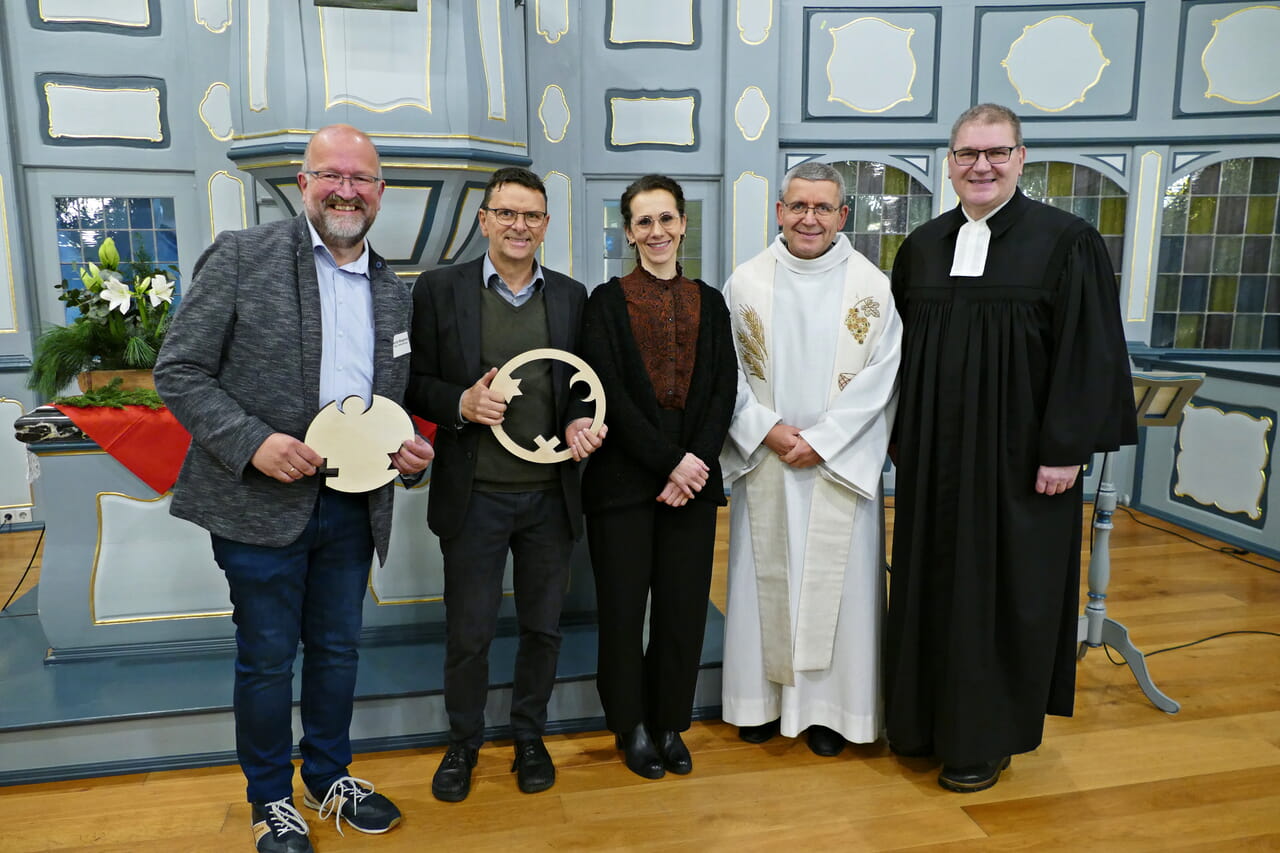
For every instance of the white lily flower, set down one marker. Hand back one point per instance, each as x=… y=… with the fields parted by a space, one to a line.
x=158 y=289
x=117 y=295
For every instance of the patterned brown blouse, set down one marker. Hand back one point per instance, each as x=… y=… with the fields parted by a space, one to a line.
x=664 y=321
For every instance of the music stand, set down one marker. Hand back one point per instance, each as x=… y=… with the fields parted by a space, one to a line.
x=1159 y=397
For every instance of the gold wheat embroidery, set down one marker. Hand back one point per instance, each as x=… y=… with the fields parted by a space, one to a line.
x=856 y=321
x=751 y=342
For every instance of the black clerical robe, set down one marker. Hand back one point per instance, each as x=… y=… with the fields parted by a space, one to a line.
x=1023 y=366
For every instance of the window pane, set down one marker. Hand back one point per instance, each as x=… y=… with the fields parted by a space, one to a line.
x=1223 y=287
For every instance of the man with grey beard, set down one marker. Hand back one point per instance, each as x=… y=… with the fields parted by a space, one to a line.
x=280 y=320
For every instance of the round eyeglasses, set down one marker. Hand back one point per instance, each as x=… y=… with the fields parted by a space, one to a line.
x=666 y=219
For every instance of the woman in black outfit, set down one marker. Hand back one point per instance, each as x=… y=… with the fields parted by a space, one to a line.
x=662 y=347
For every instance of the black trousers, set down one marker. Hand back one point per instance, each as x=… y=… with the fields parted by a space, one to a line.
x=663 y=553
x=534 y=527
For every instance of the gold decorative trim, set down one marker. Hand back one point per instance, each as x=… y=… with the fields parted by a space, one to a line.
x=77 y=19
x=764 y=123
x=742 y=31
x=546 y=131
x=613 y=19
x=501 y=113
x=199 y=19
x=453 y=167
x=764 y=235
x=330 y=101
x=93 y=574
x=613 y=124
x=1146 y=217
x=457 y=237
x=552 y=38
x=1079 y=99
x=200 y=111
x=240 y=137
x=1256 y=513
x=568 y=224
x=8 y=260
x=752 y=343
x=915 y=66
x=1209 y=93
x=50 y=87
x=244 y=213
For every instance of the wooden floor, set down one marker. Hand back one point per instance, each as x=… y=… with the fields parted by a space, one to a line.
x=1120 y=775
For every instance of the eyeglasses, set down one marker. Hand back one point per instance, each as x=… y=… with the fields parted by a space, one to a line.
x=969 y=156
x=666 y=220
x=822 y=211
x=532 y=218
x=360 y=182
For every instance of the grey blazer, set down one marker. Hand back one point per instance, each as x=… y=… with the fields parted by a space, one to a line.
x=242 y=360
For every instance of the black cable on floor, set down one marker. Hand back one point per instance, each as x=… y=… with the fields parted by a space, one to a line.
x=1229 y=550
x=1121 y=662
x=4 y=611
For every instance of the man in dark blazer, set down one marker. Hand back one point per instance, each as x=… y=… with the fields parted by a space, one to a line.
x=280 y=320
x=468 y=321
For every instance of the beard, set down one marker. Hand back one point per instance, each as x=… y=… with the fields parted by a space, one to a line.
x=339 y=229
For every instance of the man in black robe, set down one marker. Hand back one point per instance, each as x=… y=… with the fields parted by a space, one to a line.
x=1014 y=372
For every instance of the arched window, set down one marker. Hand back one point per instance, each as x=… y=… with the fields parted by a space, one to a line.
x=1218 y=285
x=1085 y=192
x=885 y=205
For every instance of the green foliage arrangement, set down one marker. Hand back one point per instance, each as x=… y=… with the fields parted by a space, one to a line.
x=113 y=396
x=120 y=327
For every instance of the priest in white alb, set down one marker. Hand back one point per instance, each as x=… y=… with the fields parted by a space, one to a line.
x=818 y=341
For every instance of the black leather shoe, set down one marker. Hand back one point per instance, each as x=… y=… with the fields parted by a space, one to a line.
x=533 y=768
x=675 y=755
x=758 y=734
x=824 y=741
x=972 y=777
x=452 y=781
x=639 y=753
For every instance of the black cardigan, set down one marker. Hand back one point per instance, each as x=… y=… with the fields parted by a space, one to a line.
x=633 y=463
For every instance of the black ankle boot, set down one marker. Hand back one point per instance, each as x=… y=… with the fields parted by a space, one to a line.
x=674 y=754
x=639 y=754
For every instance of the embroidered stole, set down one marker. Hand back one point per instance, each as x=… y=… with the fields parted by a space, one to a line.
x=831 y=512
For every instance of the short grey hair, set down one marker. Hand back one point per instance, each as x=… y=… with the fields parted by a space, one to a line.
x=988 y=114
x=812 y=170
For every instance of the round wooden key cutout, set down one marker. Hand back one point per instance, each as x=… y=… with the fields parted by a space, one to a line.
x=549 y=450
x=357 y=443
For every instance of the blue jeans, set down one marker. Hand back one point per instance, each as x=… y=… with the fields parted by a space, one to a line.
x=310 y=590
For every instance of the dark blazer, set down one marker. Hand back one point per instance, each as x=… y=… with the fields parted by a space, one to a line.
x=633 y=464
x=446 y=362
x=242 y=360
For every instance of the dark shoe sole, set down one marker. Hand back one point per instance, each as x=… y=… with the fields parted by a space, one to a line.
x=973 y=787
x=533 y=787
x=449 y=796
x=758 y=734
x=826 y=750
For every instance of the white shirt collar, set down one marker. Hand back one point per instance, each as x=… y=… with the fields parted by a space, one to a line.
x=972 y=243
